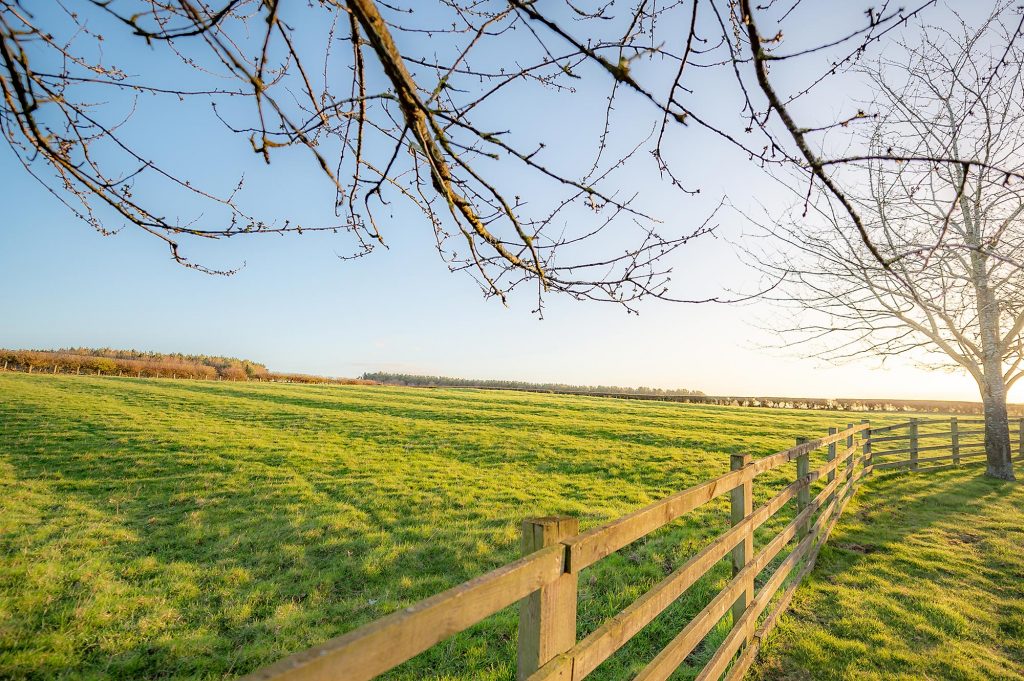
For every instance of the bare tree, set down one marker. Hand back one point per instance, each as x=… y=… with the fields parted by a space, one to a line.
x=350 y=84
x=952 y=294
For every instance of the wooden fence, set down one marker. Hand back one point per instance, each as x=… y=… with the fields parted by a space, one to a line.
x=544 y=580
x=935 y=444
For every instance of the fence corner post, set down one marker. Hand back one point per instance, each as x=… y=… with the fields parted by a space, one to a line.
x=547 y=617
x=954 y=439
x=742 y=507
x=913 y=445
x=803 y=498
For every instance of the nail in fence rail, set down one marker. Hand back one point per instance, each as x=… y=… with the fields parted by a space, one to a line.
x=544 y=583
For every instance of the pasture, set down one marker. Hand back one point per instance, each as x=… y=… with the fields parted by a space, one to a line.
x=186 y=529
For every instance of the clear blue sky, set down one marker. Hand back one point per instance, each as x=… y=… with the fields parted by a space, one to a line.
x=296 y=307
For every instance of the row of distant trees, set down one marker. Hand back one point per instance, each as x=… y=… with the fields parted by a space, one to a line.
x=690 y=396
x=111 y=362
x=415 y=380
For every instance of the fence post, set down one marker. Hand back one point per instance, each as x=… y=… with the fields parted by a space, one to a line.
x=742 y=506
x=913 y=444
x=1020 y=437
x=866 y=439
x=849 y=456
x=547 y=617
x=954 y=436
x=803 y=498
x=831 y=456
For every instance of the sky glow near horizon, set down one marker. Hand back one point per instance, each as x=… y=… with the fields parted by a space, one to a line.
x=296 y=307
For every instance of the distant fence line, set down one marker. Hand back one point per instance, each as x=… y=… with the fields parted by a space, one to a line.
x=544 y=580
x=822 y=403
x=945 y=443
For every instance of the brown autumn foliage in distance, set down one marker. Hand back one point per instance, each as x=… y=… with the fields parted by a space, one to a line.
x=110 y=362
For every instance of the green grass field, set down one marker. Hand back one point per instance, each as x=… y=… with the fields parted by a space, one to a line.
x=180 y=529
x=923 y=578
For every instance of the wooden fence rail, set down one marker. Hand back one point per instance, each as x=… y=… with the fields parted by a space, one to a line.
x=964 y=446
x=544 y=580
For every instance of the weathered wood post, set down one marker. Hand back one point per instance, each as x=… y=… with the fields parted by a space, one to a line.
x=1020 y=437
x=954 y=439
x=831 y=456
x=742 y=506
x=803 y=497
x=849 y=456
x=547 y=617
x=913 y=444
x=865 y=436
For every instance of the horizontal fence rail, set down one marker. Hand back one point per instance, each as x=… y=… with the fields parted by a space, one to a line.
x=544 y=580
x=962 y=440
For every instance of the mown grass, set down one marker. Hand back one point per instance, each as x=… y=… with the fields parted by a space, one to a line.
x=923 y=578
x=182 y=529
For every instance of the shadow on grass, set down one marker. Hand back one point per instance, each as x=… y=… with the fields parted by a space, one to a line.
x=599 y=422
x=921 y=579
x=172 y=531
x=162 y=536
x=132 y=557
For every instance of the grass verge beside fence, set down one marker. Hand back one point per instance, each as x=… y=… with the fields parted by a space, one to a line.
x=923 y=578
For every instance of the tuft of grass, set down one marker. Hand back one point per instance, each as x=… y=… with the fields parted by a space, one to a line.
x=200 y=530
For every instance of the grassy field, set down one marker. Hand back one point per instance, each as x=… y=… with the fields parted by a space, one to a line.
x=923 y=578
x=181 y=529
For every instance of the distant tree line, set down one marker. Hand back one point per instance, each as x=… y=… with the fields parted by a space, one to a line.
x=695 y=396
x=415 y=380
x=141 y=364
x=825 y=403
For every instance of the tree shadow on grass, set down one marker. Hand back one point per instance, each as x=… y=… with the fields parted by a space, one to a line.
x=598 y=423
x=921 y=579
x=179 y=546
x=131 y=557
x=146 y=547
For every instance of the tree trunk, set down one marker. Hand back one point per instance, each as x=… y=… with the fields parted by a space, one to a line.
x=998 y=450
x=992 y=381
